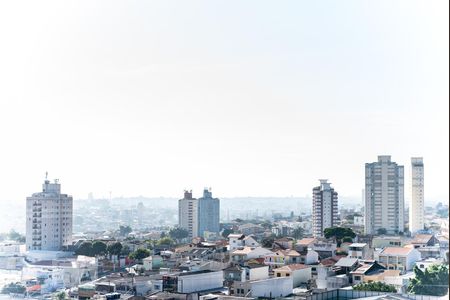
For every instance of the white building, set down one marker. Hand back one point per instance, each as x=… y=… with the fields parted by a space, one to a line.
x=191 y=282
x=416 y=207
x=325 y=208
x=384 y=201
x=188 y=214
x=265 y=288
x=49 y=218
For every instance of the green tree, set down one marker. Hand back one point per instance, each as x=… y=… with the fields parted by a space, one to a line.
x=267 y=242
x=85 y=249
x=125 y=250
x=338 y=233
x=433 y=281
x=15 y=236
x=226 y=232
x=114 y=248
x=60 y=296
x=98 y=248
x=298 y=233
x=16 y=288
x=375 y=287
x=266 y=224
x=124 y=230
x=140 y=254
x=165 y=241
x=347 y=239
x=178 y=233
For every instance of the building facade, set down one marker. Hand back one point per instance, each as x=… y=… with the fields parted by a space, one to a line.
x=416 y=207
x=208 y=213
x=384 y=200
x=325 y=208
x=199 y=216
x=188 y=214
x=49 y=219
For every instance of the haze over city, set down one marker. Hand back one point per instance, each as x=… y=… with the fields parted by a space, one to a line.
x=251 y=99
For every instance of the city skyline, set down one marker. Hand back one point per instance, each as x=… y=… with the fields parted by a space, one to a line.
x=143 y=103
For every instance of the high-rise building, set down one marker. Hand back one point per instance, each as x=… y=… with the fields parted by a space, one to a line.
x=198 y=216
x=208 y=213
x=325 y=208
x=384 y=200
x=416 y=207
x=188 y=214
x=49 y=219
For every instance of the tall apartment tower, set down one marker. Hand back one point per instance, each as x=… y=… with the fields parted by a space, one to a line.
x=208 y=213
x=416 y=207
x=325 y=208
x=49 y=219
x=384 y=201
x=188 y=214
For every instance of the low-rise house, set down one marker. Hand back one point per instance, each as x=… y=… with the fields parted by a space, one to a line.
x=369 y=269
x=245 y=273
x=359 y=251
x=325 y=249
x=284 y=243
x=398 y=258
x=192 y=282
x=424 y=240
x=387 y=241
x=347 y=265
x=301 y=274
x=282 y=257
x=426 y=263
x=247 y=253
x=241 y=240
x=264 y=288
x=249 y=229
x=152 y=262
x=305 y=243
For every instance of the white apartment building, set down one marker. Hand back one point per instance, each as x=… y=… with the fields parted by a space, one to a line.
x=416 y=207
x=188 y=214
x=49 y=219
x=325 y=208
x=384 y=200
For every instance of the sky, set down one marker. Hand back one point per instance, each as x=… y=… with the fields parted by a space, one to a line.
x=250 y=98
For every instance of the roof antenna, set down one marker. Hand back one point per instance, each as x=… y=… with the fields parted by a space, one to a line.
x=46 y=175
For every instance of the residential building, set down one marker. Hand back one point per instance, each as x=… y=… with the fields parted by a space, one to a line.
x=236 y=240
x=49 y=218
x=325 y=208
x=384 y=200
x=264 y=288
x=398 y=258
x=191 y=282
x=359 y=251
x=208 y=213
x=387 y=241
x=247 y=253
x=300 y=273
x=325 y=249
x=369 y=268
x=416 y=207
x=188 y=214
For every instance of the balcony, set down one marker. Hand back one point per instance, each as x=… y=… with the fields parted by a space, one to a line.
x=36 y=227
x=37 y=239
x=37 y=210
x=37 y=222
x=37 y=215
x=36 y=232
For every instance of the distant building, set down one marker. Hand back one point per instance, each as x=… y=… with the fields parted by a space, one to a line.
x=49 y=219
x=325 y=208
x=208 y=213
x=416 y=207
x=199 y=216
x=188 y=214
x=384 y=201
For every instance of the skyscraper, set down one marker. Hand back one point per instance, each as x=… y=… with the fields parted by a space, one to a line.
x=188 y=214
x=325 y=208
x=384 y=201
x=416 y=207
x=208 y=213
x=49 y=218
x=201 y=215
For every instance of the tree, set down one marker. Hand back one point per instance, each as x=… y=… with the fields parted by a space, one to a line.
x=433 y=281
x=124 y=230
x=98 y=248
x=381 y=231
x=347 y=239
x=125 y=251
x=375 y=287
x=15 y=236
x=163 y=235
x=165 y=241
x=266 y=224
x=267 y=242
x=140 y=254
x=60 y=296
x=297 y=233
x=15 y=288
x=226 y=232
x=114 y=248
x=85 y=249
x=338 y=233
x=178 y=233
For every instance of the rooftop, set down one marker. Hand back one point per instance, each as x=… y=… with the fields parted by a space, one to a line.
x=396 y=250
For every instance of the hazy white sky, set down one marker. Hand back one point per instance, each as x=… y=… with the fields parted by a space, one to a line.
x=254 y=98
